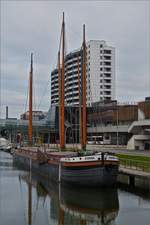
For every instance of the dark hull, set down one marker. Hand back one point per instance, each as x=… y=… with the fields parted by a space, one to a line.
x=102 y=175
x=97 y=176
x=46 y=170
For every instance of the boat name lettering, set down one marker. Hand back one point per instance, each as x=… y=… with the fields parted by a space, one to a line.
x=89 y=157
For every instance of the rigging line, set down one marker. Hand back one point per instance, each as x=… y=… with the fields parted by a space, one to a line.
x=80 y=76
x=91 y=84
x=94 y=109
x=60 y=38
x=27 y=96
x=80 y=94
x=56 y=60
x=0 y=92
x=44 y=92
x=71 y=110
x=34 y=96
x=79 y=91
x=65 y=51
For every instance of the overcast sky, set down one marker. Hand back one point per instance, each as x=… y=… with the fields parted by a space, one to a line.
x=34 y=26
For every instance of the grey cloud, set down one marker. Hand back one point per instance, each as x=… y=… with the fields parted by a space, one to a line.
x=35 y=26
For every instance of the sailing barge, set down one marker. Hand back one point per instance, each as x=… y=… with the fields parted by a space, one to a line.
x=95 y=169
x=99 y=169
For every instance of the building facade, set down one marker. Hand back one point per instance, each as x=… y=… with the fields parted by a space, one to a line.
x=100 y=72
x=36 y=115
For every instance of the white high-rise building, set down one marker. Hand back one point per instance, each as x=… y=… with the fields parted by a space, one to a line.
x=100 y=74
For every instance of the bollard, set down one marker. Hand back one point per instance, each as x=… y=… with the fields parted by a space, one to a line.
x=132 y=181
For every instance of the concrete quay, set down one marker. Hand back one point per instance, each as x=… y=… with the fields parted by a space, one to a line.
x=134 y=178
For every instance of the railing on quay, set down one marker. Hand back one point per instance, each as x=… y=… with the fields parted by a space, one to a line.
x=135 y=164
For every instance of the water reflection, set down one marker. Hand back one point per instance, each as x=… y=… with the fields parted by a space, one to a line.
x=26 y=199
x=71 y=205
x=5 y=161
x=90 y=206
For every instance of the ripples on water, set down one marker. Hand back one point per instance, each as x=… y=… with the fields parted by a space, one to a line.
x=26 y=199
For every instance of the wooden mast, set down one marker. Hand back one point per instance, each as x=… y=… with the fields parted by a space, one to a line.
x=30 y=101
x=83 y=107
x=62 y=95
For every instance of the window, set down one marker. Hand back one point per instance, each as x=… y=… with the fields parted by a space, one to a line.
x=101 y=69
x=101 y=51
x=107 y=69
x=101 y=63
x=101 y=46
x=107 y=63
x=101 y=86
x=107 y=98
x=101 y=57
x=107 y=51
x=107 y=57
x=101 y=92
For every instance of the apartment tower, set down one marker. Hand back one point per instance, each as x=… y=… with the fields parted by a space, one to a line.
x=100 y=72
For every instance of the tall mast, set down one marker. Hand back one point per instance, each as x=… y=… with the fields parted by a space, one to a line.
x=84 y=132
x=61 y=108
x=30 y=101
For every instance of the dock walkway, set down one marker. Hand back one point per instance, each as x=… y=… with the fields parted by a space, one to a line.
x=134 y=177
x=134 y=172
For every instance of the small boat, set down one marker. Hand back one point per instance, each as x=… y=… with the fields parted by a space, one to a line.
x=5 y=145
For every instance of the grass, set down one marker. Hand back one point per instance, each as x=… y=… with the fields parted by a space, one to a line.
x=136 y=162
x=133 y=157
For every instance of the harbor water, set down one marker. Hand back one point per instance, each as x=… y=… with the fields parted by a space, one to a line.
x=28 y=199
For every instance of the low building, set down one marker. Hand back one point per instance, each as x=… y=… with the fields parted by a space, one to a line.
x=140 y=128
x=108 y=122
x=36 y=115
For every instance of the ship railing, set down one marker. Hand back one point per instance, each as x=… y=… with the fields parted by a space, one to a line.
x=28 y=152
